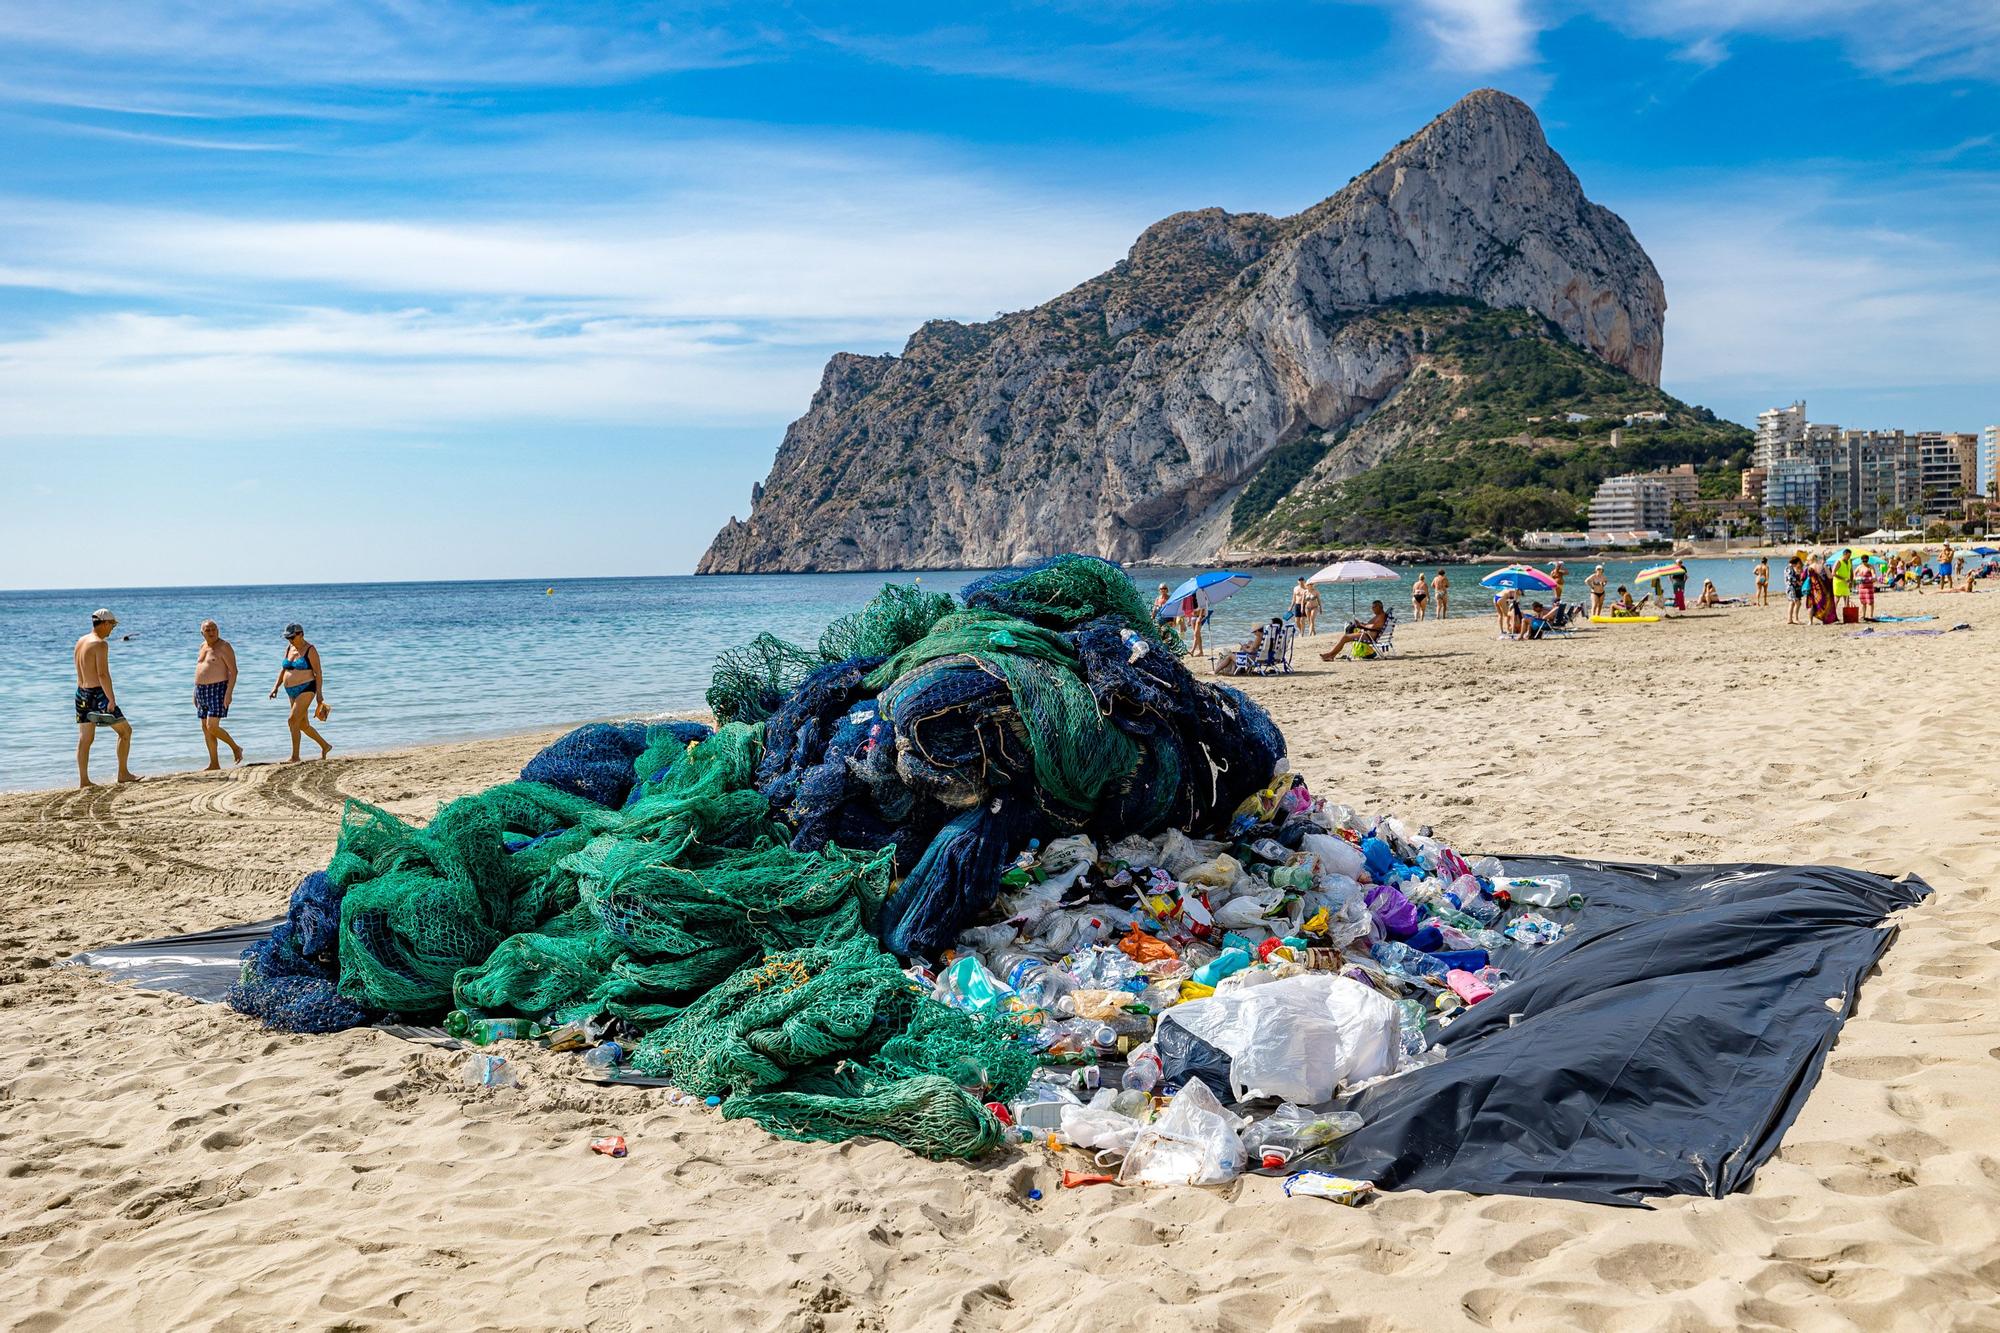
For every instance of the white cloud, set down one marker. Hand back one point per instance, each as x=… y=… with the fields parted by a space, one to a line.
x=317 y=371
x=1480 y=36
x=1777 y=284
x=715 y=300
x=364 y=43
x=1895 y=37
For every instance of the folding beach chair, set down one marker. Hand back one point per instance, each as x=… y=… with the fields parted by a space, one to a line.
x=1277 y=656
x=1385 y=642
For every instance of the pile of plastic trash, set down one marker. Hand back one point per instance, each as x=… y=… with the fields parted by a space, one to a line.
x=1196 y=1004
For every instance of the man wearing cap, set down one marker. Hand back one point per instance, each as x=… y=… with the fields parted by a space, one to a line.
x=97 y=700
x=214 y=691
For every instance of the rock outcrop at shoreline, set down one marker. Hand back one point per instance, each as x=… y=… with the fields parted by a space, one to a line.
x=1120 y=417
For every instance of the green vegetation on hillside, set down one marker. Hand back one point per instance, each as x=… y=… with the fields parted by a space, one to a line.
x=1488 y=449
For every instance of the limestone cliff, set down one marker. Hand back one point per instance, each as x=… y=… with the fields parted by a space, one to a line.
x=1115 y=415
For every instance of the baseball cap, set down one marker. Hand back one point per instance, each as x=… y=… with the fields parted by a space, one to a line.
x=101 y=615
x=294 y=629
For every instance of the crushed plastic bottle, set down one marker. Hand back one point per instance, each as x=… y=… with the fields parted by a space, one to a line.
x=1404 y=961
x=1143 y=1070
x=1533 y=929
x=1465 y=895
x=483 y=1070
x=1038 y=984
x=604 y=1058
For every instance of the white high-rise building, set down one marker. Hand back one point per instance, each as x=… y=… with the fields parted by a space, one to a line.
x=1989 y=463
x=1779 y=429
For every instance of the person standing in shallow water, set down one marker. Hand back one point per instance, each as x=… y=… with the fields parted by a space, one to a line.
x=303 y=679
x=1441 y=594
x=1420 y=592
x=214 y=691
x=97 y=698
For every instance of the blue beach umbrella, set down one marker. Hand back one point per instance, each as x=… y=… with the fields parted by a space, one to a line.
x=1204 y=590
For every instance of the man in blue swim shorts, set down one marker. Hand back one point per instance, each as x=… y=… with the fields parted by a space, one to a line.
x=97 y=698
x=214 y=690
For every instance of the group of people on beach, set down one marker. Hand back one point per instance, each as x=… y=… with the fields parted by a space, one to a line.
x=1821 y=590
x=301 y=675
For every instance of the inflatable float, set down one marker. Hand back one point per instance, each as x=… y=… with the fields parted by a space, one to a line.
x=1624 y=620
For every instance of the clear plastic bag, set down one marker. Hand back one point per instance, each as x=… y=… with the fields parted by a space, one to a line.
x=1100 y=1129
x=1298 y=1038
x=1194 y=1142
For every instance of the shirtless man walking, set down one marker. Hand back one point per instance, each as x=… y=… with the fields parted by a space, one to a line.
x=1441 y=595
x=214 y=691
x=97 y=699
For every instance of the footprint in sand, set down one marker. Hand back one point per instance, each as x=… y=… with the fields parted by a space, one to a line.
x=1655 y=1268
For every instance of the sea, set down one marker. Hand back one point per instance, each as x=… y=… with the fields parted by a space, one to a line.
x=409 y=663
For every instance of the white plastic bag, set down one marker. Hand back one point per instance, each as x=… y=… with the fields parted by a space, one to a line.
x=1179 y=852
x=1335 y=856
x=1094 y=1127
x=1297 y=1038
x=1063 y=853
x=1193 y=1143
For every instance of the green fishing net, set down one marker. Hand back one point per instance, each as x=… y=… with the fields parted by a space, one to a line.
x=745 y=953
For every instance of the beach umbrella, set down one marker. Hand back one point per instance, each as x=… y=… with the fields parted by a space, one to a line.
x=1354 y=571
x=1203 y=590
x=1666 y=571
x=1987 y=551
x=1518 y=578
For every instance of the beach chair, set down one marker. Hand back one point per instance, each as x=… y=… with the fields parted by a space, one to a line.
x=1385 y=642
x=1276 y=658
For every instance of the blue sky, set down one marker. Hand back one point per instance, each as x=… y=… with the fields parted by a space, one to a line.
x=385 y=289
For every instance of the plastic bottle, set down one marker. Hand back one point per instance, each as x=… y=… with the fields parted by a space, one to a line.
x=1292 y=1130
x=605 y=1058
x=1539 y=891
x=1032 y=978
x=1026 y=869
x=1465 y=895
x=1143 y=1070
x=488 y=1071
x=1401 y=959
x=486 y=1031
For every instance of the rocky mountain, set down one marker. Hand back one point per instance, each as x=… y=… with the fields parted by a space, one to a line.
x=1126 y=416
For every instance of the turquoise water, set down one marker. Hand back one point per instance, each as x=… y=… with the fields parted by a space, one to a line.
x=413 y=662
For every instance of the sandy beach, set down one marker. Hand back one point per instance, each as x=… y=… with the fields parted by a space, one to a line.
x=170 y=1164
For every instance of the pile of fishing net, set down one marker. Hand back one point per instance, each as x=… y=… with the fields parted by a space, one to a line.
x=743 y=901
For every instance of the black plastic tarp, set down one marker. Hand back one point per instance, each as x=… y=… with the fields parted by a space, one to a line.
x=1664 y=1047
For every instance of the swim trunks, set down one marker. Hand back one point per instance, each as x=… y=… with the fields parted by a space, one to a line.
x=208 y=700
x=93 y=705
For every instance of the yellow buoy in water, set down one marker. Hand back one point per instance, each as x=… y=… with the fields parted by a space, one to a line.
x=550 y=593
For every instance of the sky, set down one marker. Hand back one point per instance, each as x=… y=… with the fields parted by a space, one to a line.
x=387 y=289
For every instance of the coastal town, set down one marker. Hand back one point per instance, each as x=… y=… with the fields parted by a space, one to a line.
x=1807 y=481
